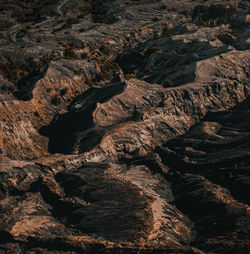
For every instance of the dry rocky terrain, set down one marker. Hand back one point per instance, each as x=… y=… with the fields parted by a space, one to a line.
x=125 y=126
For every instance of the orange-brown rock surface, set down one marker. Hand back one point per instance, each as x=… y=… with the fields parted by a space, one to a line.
x=124 y=126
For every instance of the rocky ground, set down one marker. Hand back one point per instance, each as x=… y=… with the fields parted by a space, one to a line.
x=124 y=126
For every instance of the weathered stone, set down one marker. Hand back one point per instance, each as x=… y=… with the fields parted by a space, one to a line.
x=124 y=126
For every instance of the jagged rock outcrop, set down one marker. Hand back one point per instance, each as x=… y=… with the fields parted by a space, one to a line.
x=124 y=126
x=143 y=116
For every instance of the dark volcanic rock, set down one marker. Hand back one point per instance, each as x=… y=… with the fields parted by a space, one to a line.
x=124 y=126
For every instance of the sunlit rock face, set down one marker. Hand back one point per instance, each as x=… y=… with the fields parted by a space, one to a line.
x=124 y=126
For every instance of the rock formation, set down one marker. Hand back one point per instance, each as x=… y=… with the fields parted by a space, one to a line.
x=124 y=126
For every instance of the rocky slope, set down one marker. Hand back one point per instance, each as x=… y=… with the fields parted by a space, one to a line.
x=124 y=126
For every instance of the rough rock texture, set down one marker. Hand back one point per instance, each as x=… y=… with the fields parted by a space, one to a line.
x=124 y=126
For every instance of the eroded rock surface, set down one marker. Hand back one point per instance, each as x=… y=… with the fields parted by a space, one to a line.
x=124 y=126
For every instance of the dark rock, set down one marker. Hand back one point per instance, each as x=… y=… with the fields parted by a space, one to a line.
x=124 y=126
